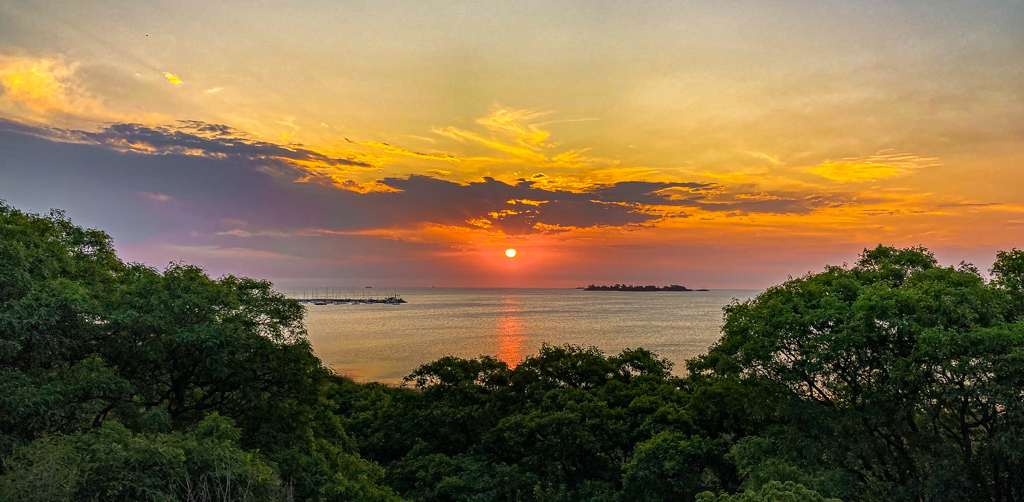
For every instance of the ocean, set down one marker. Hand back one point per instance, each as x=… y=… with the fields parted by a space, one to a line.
x=384 y=343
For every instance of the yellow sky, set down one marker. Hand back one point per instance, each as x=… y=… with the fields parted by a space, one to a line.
x=746 y=128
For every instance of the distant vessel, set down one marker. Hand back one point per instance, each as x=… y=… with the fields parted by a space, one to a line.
x=367 y=286
x=319 y=303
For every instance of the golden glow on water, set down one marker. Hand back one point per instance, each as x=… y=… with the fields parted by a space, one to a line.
x=509 y=332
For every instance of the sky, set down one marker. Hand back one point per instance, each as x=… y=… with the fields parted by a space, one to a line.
x=724 y=144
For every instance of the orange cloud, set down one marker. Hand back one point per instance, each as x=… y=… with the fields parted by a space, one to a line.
x=514 y=134
x=41 y=87
x=874 y=167
x=516 y=151
x=410 y=153
x=372 y=186
x=50 y=90
x=508 y=121
x=528 y=202
x=846 y=172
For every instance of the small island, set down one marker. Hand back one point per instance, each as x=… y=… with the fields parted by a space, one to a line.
x=623 y=287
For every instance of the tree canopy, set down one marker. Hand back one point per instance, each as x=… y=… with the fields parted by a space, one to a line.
x=895 y=378
x=139 y=384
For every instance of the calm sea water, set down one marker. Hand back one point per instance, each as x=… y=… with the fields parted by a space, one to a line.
x=374 y=342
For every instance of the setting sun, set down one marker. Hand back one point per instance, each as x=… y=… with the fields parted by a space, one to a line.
x=720 y=202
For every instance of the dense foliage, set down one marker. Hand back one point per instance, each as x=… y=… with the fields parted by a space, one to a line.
x=120 y=382
x=893 y=379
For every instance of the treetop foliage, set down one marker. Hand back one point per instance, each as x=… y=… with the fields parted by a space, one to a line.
x=122 y=382
x=895 y=378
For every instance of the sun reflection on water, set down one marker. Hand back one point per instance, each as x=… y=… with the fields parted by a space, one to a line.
x=509 y=332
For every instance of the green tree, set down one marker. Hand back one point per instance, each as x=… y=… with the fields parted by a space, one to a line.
x=1008 y=271
x=566 y=366
x=669 y=466
x=110 y=353
x=770 y=492
x=111 y=463
x=877 y=370
x=53 y=276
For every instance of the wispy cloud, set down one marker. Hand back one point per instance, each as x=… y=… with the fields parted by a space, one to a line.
x=464 y=135
x=882 y=165
x=156 y=197
x=510 y=122
x=517 y=134
x=288 y=122
x=263 y=233
x=410 y=153
x=764 y=156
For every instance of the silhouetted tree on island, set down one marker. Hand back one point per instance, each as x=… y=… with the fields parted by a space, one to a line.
x=622 y=287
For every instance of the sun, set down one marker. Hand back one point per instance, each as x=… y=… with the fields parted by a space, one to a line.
x=511 y=253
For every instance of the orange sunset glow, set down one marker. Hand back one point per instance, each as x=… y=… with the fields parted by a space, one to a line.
x=754 y=144
x=515 y=250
